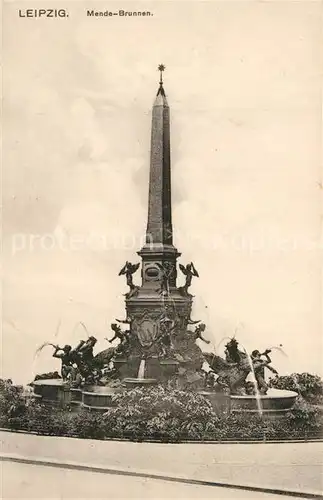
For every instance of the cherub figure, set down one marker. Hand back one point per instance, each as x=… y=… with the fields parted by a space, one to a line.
x=167 y=326
x=122 y=336
x=209 y=379
x=198 y=333
x=126 y=321
x=166 y=272
x=189 y=271
x=129 y=269
x=118 y=333
x=193 y=322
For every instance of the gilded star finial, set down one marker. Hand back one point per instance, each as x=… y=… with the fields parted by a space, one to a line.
x=161 y=68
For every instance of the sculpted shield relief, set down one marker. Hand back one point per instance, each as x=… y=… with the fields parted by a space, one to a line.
x=146 y=327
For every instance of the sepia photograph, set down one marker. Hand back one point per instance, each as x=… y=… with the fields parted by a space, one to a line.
x=161 y=245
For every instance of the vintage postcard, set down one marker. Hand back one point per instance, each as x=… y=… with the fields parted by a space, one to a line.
x=161 y=249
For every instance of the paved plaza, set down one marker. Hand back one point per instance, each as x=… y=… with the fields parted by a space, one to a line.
x=34 y=481
x=293 y=467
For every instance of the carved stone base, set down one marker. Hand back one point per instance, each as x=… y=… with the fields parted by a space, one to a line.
x=149 y=313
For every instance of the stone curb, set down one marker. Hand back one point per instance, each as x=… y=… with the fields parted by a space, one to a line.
x=71 y=465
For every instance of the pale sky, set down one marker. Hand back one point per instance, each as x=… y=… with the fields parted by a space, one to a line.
x=243 y=81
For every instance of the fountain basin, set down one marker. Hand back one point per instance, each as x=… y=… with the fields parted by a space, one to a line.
x=76 y=398
x=98 y=397
x=53 y=391
x=276 y=402
x=57 y=393
x=219 y=401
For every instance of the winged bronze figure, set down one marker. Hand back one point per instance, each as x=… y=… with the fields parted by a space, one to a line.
x=129 y=269
x=189 y=271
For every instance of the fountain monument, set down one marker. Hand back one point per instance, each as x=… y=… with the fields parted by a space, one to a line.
x=157 y=337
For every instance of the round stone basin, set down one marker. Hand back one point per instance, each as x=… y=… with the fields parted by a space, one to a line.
x=274 y=402
x=218 y=400
x=99 y=389
x=76 y=398
x=51 y=389
x=98 y=397
x=49 y=381
x=76 y=395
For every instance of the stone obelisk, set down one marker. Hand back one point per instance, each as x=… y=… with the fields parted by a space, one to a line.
x=158 y=299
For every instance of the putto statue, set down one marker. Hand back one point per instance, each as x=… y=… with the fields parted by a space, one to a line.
x=118 y=333
x=124 y=321
x=164 y=341
x=198 y=333
x=122 y=336
x=189 y=271
x=129 y=269
x=166 y=272
x=193 y=322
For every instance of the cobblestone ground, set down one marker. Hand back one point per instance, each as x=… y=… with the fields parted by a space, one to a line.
x=290 y=466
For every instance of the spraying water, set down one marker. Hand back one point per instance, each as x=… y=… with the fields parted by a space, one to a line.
x=254 y=381
x=279 y=349
x=58 y=327
x=221 y=342
x=239 y=326
x=141 y=371
x=36 y=355
x=40 y=348
x=84 y=327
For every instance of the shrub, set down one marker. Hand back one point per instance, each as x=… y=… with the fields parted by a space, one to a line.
x=43 y=419
x=305 y=417
x=12 y=402
x=310 y=387
x=238 y=426
x=51 y=421
x=88 y=425
x=159 y=413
